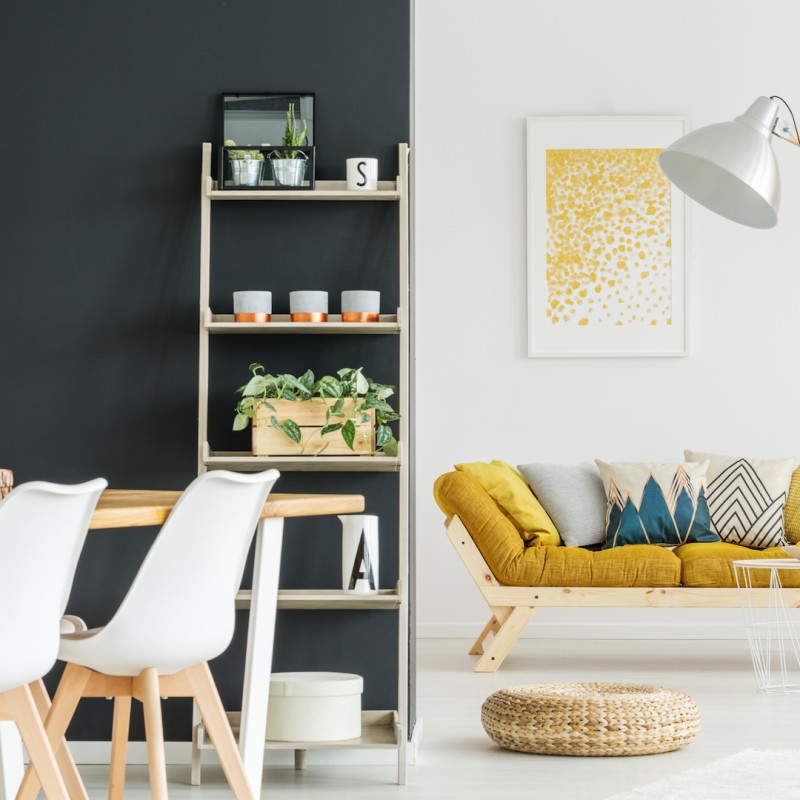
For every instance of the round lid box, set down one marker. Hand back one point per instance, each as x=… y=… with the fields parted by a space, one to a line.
x=314 y=706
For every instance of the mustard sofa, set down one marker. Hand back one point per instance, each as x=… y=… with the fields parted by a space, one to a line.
x=517 y=577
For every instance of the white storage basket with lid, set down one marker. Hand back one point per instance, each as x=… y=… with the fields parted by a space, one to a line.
x=314 y=706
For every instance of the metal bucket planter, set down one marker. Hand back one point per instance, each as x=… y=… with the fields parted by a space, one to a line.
x=246 y=171
x=289 y=172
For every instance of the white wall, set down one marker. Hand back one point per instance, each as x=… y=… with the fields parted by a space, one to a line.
x=483 y=66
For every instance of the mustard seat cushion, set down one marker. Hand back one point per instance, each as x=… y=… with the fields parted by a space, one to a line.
x=513 y=495
x=514 y=564
x=710 y=564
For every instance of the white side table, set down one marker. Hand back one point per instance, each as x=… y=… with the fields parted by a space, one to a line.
x=773 y=631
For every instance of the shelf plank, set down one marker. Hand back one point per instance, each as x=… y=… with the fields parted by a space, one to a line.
x=328 y=600
x=282 y=323
x=234 y=460
x=325 y=190
x=378 y=732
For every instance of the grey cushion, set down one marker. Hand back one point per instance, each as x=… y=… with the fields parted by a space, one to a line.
x=574 y=497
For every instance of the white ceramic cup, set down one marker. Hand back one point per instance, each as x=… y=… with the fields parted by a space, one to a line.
x=359 y=553
x=362 y=174
x=360 y=305
x=252 y=306
x=308 y=306
x=306 y=301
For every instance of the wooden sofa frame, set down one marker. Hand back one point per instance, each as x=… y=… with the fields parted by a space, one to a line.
x=513 y=606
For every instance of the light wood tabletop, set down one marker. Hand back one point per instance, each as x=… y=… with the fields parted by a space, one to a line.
x=128 y=508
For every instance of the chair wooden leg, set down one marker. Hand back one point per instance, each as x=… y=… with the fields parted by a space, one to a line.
x=20 y=702
x=504 y=639
x=213 y=713
x=66 y=700
x=492 y=626
x=119 y=747
x=154 y=731
x=66 y=764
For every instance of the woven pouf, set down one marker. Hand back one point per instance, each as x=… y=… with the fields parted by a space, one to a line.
x=590 y=719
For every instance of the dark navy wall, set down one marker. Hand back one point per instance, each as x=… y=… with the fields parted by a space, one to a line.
x=103 y=108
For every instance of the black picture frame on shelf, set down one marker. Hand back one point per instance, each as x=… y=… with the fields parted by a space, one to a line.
x=256 y=122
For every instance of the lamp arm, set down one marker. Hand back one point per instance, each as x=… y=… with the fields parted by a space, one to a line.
x=782 y=129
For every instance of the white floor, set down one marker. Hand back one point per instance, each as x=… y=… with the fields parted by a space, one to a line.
x=457 y=760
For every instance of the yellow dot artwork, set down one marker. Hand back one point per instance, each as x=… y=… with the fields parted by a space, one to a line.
x=595 y=200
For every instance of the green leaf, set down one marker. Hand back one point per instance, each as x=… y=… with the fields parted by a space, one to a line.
x=292 y=430
x=240 y=422
x=328 y=386
x=377 y=404
x=362 y=387
x=365 y=417
x=255 y=386
x=331 y=428
x=390 y=448
x=307 y=380
x=275 y=424
x=383 y=435
x=255 y=366
x=349 y=433
x=338 y=405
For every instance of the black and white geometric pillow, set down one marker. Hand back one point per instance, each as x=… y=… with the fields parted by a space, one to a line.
x=746 y=498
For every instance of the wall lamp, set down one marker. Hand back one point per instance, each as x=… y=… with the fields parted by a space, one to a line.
x=729 y=167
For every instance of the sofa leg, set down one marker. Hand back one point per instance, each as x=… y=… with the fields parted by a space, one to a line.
x=492 y=626
x=504 y=639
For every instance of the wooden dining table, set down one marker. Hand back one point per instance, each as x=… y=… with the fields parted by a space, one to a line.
x=131 y=508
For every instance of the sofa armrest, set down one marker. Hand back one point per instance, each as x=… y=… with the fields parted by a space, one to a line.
x=499 y=542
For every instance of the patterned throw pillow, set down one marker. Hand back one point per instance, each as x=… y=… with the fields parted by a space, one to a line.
x=661 y=504
x=746 y=498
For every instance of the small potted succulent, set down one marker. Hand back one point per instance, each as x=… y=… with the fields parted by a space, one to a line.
x=289 y=165
x=247 y=166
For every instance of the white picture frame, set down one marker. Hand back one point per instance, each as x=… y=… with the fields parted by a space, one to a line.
x=606 y=239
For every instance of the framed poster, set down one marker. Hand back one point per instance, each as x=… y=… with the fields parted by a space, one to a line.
x=606 y=238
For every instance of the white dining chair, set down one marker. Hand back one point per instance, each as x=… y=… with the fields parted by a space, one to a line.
x=42 y=530
x=177 y=615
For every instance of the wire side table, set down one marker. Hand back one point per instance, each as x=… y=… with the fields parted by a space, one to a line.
x=773 y=631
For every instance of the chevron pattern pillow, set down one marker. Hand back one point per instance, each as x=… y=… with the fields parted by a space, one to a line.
x=746 y=498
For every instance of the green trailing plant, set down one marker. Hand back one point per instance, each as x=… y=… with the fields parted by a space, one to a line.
x=243 y=155
x=291 y=136
x=349 y=384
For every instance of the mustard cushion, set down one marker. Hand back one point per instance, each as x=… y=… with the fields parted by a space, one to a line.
x=513 y=564
x=791 y=511
x=710 y=564
x=512 y=494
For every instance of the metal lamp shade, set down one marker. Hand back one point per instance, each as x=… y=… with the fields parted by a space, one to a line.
x=729 y=167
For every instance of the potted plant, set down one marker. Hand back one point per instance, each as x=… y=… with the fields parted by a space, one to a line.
x=247 y=166
x=289 y=165
x=343 y=415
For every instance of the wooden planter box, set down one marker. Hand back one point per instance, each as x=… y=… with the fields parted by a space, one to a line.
x=310 y=416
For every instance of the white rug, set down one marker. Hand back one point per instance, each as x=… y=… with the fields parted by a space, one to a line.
x=749 y=775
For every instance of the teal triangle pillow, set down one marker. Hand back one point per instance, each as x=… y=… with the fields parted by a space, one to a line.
x=663 y=504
